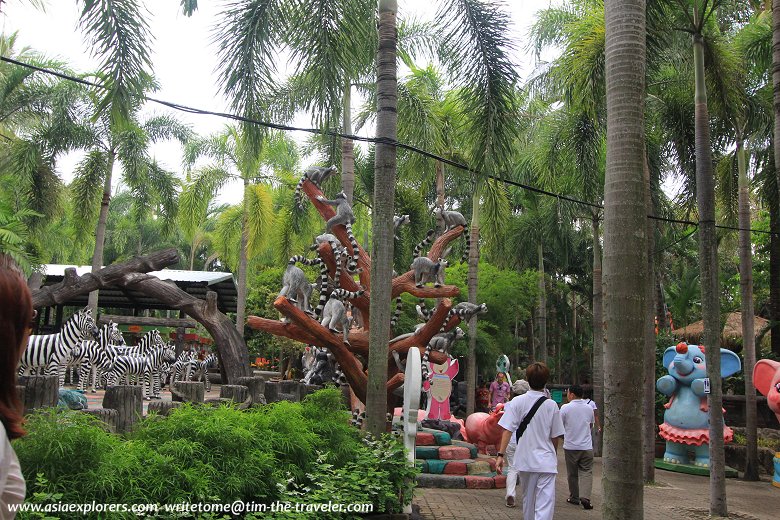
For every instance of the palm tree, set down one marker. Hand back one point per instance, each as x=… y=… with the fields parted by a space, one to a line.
x=382 y=217
x=625 y=261
x=235 y=156
x=475 y=36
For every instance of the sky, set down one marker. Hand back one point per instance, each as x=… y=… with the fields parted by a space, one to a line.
x=184 y=60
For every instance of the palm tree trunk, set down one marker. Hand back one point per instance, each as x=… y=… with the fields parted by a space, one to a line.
x=100 y=231
x=347 y=146
x=471 y=367
x=625 y=258
x=648 y=403
x=541 y=312
x=774 y=262
x=748 y=332
x=242 y=265
x=598 y=332
x=708 y=267
x=439 y=166
x=382 y=221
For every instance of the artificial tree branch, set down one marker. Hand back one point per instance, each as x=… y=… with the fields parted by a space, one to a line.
x=405 y=282
x=327 y=212
x=323 y=337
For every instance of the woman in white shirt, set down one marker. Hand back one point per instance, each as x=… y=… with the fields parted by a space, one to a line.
x=16 y=312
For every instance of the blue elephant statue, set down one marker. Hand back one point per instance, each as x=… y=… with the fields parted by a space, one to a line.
x=687 y=419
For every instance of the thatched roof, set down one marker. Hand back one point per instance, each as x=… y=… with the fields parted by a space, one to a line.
x=730 y=338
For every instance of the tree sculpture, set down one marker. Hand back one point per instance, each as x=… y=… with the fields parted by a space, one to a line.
x=302 y=326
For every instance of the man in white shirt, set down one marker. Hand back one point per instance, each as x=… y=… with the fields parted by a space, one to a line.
x=535 y=457
x=577 y=418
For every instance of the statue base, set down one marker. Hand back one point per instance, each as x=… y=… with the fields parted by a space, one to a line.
x=690 y=469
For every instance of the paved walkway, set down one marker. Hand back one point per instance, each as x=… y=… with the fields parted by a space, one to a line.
x=675 y=497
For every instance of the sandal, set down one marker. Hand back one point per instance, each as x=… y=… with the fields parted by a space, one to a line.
x=574 y=501
x=586 y=504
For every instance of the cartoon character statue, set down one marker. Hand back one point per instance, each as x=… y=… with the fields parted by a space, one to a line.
x=766 y=379
x=483 y=430
x=687 y=419
x=439 y=386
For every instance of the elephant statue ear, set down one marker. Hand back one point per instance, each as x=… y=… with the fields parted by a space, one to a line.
x=669 y=356
x=729 y=363
x=764 y=374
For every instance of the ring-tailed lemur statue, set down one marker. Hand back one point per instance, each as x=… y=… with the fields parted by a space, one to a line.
x=467 y=310
x=295 y=286
x=426 y=270
x=398 y=222
x=442 y=343
x=343 y=216
x=423 y=312
x=335 y=315
x=317 y=175
x=424 y=243
x=453 y=219
x=335 y=243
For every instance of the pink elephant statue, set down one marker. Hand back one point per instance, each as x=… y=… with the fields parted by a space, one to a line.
x=483 y=430
x=766 y=379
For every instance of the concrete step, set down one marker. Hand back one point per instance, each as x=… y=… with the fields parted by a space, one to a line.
x=428 y=480
x=457 y=467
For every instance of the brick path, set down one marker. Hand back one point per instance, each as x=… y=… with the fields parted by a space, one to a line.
x=676 y=497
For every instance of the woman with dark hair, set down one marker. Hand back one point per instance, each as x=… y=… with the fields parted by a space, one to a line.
x=16 y=312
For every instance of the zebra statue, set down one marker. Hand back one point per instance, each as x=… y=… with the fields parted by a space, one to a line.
x=91 y=356
x=146 y=368
x=146 y=344
x=181 y=370
x=200 y=369
x=49 y=353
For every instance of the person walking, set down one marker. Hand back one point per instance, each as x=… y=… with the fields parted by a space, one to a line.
x=536 y=423
x=499 y=391
x=16 y=313
x=519 y=387
x=577 y=416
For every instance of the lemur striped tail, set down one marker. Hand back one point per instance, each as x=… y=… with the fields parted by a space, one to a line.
x=300 y=259
x=425 y=371
x=343 y=294
x=422 y=245
x=339 y=258
x=423 y=312
x=324 y=290
x=467 y=238
x=397 y=314
x=298 y=198
x=353 y=263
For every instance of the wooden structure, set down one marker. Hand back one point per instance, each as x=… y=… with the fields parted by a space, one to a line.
x=133 y=276
x=302 y=327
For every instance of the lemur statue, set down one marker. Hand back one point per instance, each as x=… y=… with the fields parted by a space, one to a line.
x=398 y=222
x=467 y=310
x=426 y=270
x=453 y=219
x=335 y=315
x=343 y=216
x=334 y=242
x=317 y=175
x=442 y=343
x=295 y=286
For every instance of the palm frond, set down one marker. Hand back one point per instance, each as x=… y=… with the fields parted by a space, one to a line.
x=166 y=127
x=87 y=190
x=259 y=217
x=119 y=36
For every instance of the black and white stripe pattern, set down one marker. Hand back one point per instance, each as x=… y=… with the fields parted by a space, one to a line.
x=425 y=242
x=352 y=265
x=200 y=369
x=49 y=353
x=146 y=368
x=92 y=357
x=467 y=238
x=397 y=313
x=343 y=294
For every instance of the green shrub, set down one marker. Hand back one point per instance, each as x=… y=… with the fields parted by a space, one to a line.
x=297 y=452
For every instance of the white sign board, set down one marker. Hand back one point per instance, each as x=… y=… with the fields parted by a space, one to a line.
x=706 y=385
